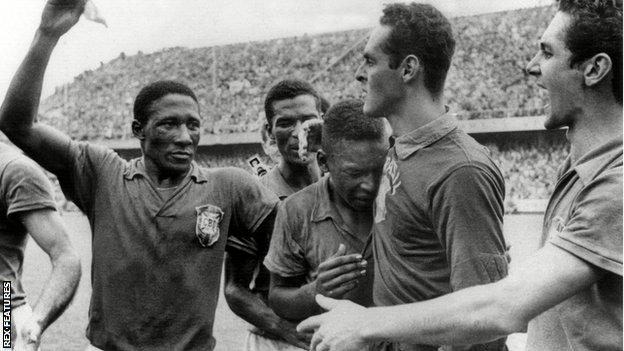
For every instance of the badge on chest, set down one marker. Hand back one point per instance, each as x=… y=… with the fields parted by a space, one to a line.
x=207 y=227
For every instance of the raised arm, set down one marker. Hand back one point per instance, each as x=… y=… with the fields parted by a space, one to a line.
x=18 y=113
x=48 y=230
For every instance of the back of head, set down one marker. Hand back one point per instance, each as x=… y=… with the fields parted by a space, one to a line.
x=155 y=91
x=423 y=31
x=288 y=89
x=345 y=121
x=596 y=27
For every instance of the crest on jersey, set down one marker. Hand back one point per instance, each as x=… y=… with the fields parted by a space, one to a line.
x=207 y=227
x=389 y=183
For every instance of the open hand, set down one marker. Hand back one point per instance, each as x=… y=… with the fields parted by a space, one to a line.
x=338 y=329
x=339 y=274
x=59 y=16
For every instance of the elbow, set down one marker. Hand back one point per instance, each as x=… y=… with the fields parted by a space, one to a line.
x=233 y=297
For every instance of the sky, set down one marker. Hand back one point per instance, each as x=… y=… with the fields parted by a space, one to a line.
x=151 y=25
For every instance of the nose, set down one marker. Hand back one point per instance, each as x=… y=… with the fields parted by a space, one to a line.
x=296 y=129
x=369 y=183
x=532 y=67
x=359 y=74
x=184 y=136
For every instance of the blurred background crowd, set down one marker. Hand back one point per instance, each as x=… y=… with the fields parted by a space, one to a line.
x=486 y=80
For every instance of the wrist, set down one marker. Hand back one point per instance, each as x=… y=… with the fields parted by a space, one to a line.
x=368 y=329
x=45 y=37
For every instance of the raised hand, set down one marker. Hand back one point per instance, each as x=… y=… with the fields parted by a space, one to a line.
x=340 y=273
x=59 y=16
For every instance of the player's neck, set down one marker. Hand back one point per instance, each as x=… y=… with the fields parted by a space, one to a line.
x=595 y=125
x=163 y=178
x=299 y=176
x=415 y=112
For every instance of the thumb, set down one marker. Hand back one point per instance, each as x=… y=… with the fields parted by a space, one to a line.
x=341 y=251
x=327 y=303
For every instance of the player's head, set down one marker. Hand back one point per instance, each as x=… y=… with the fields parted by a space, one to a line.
x=412 y=47
x=167 y=122
x=354 y=149
x=288 y=104
x=580 y=55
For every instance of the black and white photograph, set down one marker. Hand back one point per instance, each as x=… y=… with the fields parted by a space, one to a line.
x=323 y=175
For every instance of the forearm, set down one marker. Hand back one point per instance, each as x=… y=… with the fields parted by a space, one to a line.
x=253 y=309
x=19 y=110
x=59 y=289
x=470 y=316
x=294 y=303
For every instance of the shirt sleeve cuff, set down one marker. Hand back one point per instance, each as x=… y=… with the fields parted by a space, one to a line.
x=588 y=254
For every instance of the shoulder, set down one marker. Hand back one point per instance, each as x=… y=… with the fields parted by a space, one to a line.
x=302 y=202
x=16 y=166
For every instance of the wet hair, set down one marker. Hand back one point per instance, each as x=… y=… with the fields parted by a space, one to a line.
x=596 y=27
x=288 y=89
x=423 y=31
x=346 y=121
x=155 y=91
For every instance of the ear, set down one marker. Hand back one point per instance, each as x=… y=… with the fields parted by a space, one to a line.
x=410 y=67
x=137 y=130
x=321 y=158
x=596 y=69
x=268 y=129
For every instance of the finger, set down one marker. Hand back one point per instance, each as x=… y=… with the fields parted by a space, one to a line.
x=340 y=291
x=316 y=339
x=342 y=249
x=310 y=324
x=343 y=279
x=347 y=268
x=334 y=262
x=327 y=303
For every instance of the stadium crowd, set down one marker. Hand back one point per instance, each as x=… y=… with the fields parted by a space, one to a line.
x=486 y=79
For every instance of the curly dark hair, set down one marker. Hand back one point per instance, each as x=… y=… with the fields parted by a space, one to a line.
x=288 y=89
x=423 y=31
x=155 y=91
x=346 y=121
x=596 y=27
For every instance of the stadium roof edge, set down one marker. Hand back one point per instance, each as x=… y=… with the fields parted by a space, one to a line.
x=474 y=126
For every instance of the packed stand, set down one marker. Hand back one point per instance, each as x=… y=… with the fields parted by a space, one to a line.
x=486 y=79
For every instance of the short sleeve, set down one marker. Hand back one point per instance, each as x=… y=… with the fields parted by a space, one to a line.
x=467 y=214
x=285 y=257
x=25 y=187
x=89 y=163
x=252 y=202
x=241 y=243
x=594 y=229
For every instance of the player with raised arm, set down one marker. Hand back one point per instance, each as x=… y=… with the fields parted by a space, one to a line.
x=569 y=293
x=288 y=105
x=160 y=222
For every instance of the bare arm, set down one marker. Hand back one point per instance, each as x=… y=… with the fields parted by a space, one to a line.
x=19 y=110
x=239 y=270
x=48 y=230
x=473 y=315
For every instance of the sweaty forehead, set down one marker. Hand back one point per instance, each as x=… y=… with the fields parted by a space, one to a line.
x=376 y=38
x=302 y=104
x=178 y=103
x=555 y=34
